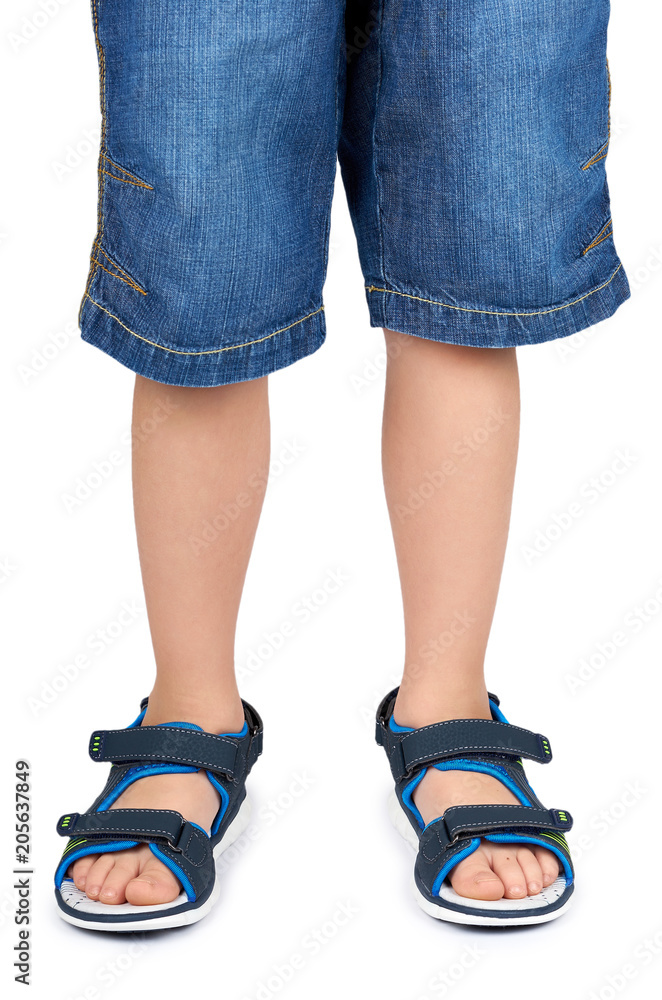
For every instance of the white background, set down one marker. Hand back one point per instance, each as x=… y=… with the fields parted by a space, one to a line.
x=67 y=574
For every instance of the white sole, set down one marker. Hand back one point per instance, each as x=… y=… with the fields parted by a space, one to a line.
x=183 y=919
x=544 y=898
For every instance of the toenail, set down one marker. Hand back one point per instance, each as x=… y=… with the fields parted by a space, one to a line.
x=517 y=890
x=534 y=888
x=109 y=893
x=93 y=890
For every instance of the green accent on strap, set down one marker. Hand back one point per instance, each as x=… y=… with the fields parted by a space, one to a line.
x=558 y=837
x=74 y=843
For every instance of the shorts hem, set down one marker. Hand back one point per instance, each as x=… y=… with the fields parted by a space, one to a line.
x=253 y=359
x=409 y=312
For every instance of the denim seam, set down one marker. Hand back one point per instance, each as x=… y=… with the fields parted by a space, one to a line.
x=94 y=265
x=380 y=226
x=115 y=264
x=604 y=148
x=218 y=350
x=490 y=312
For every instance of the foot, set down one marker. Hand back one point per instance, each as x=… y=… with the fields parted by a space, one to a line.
x=493 y=871
x=137 y=876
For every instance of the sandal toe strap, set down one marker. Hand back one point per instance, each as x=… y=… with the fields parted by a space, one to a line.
x=140 y=824
x=449 y=837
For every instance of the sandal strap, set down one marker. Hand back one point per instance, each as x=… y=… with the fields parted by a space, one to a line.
x=481 y=819
x=175 y=745
x=457 y=737
x=140 y=824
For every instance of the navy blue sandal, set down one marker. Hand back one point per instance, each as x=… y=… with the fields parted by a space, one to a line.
x=491 y=747
x=187 y=850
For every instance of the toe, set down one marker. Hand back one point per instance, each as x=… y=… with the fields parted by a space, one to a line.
x=96 y=876
x=125 y=868
x=79 y=870
x=549 y=865
x=509 y=870
x=154 y=884
x=531 y=869
x=475 y=878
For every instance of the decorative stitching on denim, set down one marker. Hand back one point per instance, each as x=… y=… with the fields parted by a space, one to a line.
x=137 y=180
x=102 y=101
x=604 y=148
x=380 y=227
x=129 y=279
x=218 y=350
x=124 y=180
x=489 y=312
x=119 y=277
x=602 y=235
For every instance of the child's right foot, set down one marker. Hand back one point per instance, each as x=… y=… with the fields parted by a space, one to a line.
x=179 y=792
x=136 y=875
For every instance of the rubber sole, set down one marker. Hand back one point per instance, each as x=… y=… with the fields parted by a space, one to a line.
x=481 y=916
x=182 y=919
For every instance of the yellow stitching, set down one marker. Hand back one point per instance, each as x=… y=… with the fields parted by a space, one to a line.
x=123 y=170
x=219 y=350
x=595 y=158
x=126 y=181
x=102 y=100
x=114 y=263
x=590 y=163
x=488 y=312
x=595 y=243
x=606 y=226
x=599 y=237
x=119 y=277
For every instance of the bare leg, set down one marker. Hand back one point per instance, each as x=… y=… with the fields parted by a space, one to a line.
x=450 y=439
x=197 y=453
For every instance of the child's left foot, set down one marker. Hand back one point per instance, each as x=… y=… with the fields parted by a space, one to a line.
x=489 y=852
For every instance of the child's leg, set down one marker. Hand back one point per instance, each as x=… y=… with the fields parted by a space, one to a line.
x=454 y=412
x=213 y=446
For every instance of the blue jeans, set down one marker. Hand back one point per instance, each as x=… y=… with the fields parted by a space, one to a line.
x=472 y=138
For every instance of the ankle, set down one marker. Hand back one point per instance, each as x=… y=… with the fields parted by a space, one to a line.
x=215 y=713
x=422 y=704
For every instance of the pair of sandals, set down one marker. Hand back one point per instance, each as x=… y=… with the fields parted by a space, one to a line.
x=491 y=747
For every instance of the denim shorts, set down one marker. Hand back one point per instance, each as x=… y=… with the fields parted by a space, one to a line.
x=472 y=137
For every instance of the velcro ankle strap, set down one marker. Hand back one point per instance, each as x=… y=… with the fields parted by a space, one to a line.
x=459 y=736
x=167 y=745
